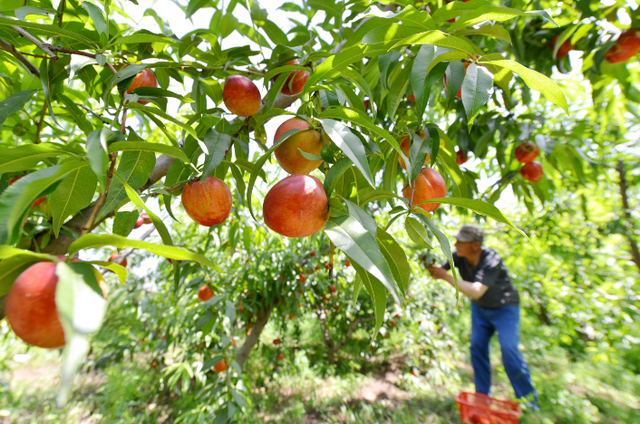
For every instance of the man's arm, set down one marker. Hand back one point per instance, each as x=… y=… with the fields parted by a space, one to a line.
x=474 y=290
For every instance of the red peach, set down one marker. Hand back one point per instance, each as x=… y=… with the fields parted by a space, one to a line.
x=220 y=366
x=405 y=146
x=532 y=171
x=428 y=185
x=287 y=153
x=625 y=48
x=295 y=81
x=241 y=95
x=146 y=78
x=297 y=206
x=208 y=203
x=564 y=49
x=526 y=152
x=205 y=293
x=31 y=307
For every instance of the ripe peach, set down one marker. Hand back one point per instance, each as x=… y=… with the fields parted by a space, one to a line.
x=208 y=203
x=139 y=222
x=532 y=171
x=303 y=278
x=526 y=152
x=276 y=342
x=241 y=96
x=347 y=262
x=280 y=357
x=145 y=218
x=625 y=48
x=287 y=153
x=461 y=157
x=428 y=185
x=297 y=206
x=146 y=78
x=332 y=288
x=205 y=293
x=115 y=256
x=31 y=307
x=38 y=201
x=564 y=49
x=295 y=81
x=405 y=145
x=220 y=366
x=411 y=97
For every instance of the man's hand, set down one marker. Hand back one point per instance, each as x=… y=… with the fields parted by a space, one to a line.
x=439 y=273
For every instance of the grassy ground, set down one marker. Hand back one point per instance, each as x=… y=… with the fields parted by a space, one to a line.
x=570 y=392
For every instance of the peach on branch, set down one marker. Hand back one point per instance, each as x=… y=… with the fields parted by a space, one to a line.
x=295 y=81
x=209 y=202
x=146 y=78
x=625 y=47
x=241 y=95
x=532 y=172
x=405 y=146
x=526 y=152
x=461 y=157
x=287 y=153
x=38 y=201
x=428 y=185
x=563 y=50
x=205 y=293
x=297 y=206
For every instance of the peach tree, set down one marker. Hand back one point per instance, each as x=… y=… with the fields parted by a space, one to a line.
x=384 y=101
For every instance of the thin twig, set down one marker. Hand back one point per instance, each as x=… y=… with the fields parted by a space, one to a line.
x=104 y=121
x=80 y=53
x=18 y=55
x=222 y=68
x=36 y=140
x=60 y=12
x=33 y=39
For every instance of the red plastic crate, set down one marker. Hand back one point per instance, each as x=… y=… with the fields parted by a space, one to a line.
x=476 y=408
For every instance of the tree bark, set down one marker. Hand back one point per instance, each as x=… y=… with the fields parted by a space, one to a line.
x=633 y=245
x=254 y=336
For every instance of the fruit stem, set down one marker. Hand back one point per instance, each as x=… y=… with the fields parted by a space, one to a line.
x=222 y=68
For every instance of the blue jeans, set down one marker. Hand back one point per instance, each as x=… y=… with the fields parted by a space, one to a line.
x=506 y=321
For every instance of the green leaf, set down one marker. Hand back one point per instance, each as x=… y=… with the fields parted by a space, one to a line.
x=155 y=111
x=216 y=145
x=334 y=174
x=396 y=258
x=160 y=92
x=8 y=252
x=81 y=310
x=477 y=88
x=27 y=156
x=458 y=181
x=118 y=269
x=485 y=14
x=50 y=30
x=417 y=233
x=358 y=118
x=16 y=200
x=13 y=104
x=157 y=222
x=350 y=236
x=96 y=16
x=493 y=31
x=24 y=11
x=11 y=268
x=350 y=144
x=134 y=168
x=72 y=194
x=376 y=195
x=456 y=8
x=419 y=71
x=444 y=246
x=124 y=222
x=78 y=116
x=121 y=75
x=131 y=146
x=455 y=78
x=377 y=292
x=438 y=38
x=91 y=241
x=535 y=80
x=142 y=37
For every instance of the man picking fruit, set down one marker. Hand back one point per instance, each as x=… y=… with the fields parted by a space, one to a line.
x=495 y=307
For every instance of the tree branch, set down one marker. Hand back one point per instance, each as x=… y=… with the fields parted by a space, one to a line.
x=80 y=53
x=352 y=328
x=12 y=49
x=635 y=252
x=254 y=336
x=33 y=39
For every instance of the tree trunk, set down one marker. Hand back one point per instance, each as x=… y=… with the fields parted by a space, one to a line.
x=635 y=253
x=254 y=336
